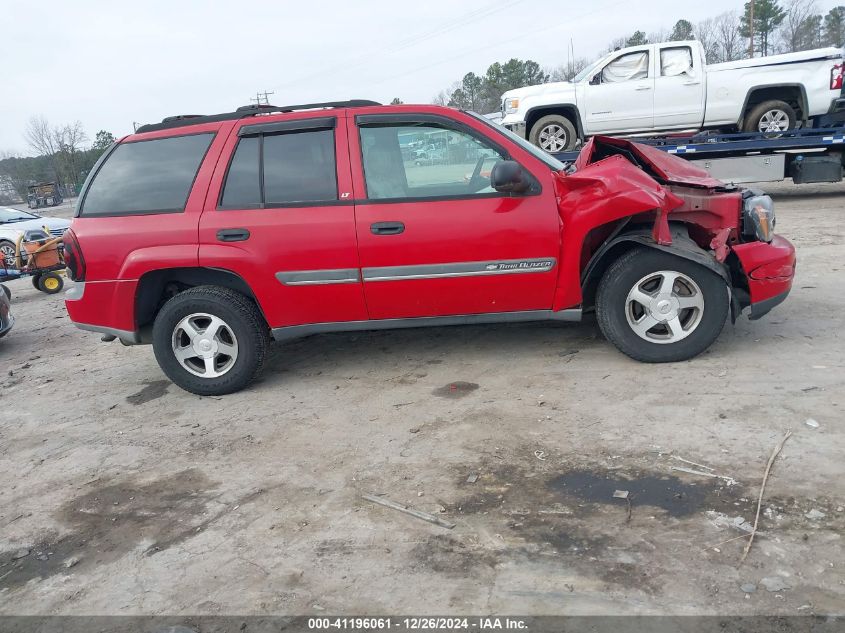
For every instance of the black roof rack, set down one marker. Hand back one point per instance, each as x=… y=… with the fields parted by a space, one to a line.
x=247 y=111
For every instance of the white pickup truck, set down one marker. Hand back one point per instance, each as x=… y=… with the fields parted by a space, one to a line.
x=668 y=86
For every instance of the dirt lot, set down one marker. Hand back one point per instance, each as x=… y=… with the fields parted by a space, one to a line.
x=124 y=495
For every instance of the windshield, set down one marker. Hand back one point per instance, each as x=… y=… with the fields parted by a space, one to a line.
x=587 y=71
x=14 y=215
x=548 y=159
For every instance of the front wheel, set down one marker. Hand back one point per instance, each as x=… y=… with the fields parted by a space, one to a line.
x=554 y=133
x=7 y=252
x=659 y=308
x=210 y=340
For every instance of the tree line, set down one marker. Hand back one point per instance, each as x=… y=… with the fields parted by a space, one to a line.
x=776 y=27
x=62 y=155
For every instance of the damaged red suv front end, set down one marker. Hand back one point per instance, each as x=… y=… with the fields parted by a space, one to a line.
x=733 y=224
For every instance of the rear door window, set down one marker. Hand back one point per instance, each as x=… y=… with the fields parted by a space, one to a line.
x=146 y=177
x=675 y=61
x=295 y=168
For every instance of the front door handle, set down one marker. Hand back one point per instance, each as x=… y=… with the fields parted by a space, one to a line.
x=232 y=235
x=643 y=88
x=387 y=228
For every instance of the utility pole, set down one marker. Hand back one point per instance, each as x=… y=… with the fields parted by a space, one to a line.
x=261 y=98
x=751 y=28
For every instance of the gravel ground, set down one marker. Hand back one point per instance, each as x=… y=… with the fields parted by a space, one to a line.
x=125 y=495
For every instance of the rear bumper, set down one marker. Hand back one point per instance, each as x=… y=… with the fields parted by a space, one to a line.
x=103 y=306
x=769 y=270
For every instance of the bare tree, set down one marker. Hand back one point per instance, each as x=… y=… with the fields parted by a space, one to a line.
x=729 y=41
x=705 y=32
x=616 y=44
x=659 y=36
x=69 y=139
x=39 y=136
x=441 y=98
x=793 y=33
x=565 y=72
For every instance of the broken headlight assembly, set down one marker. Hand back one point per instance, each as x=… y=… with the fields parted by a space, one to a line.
x=758 y=217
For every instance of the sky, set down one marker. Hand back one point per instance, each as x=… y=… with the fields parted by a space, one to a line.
x=111 y=63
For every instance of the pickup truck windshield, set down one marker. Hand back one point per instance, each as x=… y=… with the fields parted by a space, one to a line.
x=548 y=159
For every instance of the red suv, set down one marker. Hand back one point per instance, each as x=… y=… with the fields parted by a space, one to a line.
x=208 y=235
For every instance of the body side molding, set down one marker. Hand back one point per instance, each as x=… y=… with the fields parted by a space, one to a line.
x=299 y=331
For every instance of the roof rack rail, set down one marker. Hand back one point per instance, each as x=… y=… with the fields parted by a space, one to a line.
x=243 y=112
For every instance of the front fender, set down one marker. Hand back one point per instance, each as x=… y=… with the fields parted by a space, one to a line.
x=681 y=246
x=601 y=193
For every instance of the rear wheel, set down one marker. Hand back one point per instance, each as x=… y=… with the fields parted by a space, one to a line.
x=772 y=117
x=657 y=308
x=210 y=340
x=554 y=133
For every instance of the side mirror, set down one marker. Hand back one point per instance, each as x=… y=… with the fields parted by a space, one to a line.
x=509 y=177
x=596 y=80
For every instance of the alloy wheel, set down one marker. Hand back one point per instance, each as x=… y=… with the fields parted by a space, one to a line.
x=664 y=307
x=774 y=121
x=205 y=345
x=553 y=138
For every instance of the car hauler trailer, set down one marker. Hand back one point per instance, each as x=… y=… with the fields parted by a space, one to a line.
x=808 y=155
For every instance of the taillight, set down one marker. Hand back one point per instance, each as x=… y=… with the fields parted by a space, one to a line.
x=836 y=77
x=73 y=257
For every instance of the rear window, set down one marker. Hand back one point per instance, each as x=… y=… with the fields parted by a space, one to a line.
x=147 y=176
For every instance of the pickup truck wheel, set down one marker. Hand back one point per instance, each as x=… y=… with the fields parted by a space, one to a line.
x=658 y=308
x=771 y=116
x=554 y=133
x=210 y=340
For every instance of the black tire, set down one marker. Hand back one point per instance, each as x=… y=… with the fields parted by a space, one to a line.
x=240 y=315
x=560 y=121
x=6 y=292
x=35 y=279
x=752 y=120
x=50 y=283
x=612 y=309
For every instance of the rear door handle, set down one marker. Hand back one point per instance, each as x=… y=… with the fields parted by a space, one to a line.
x=387 y=228
x=232 y=235
x=691 y=83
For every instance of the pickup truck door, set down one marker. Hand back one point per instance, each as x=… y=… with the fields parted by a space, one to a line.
x=279 y=213
x=620 y=96
x=434 y=238
x=678 y=89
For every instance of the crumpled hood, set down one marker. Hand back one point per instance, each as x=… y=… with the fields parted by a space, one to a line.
x=556 y=87
x=662 y=165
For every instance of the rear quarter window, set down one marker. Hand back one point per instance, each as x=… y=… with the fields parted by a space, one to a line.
x=152 y=176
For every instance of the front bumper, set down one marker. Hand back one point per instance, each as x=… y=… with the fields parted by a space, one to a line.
x=517 y=128
x=769 y=270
